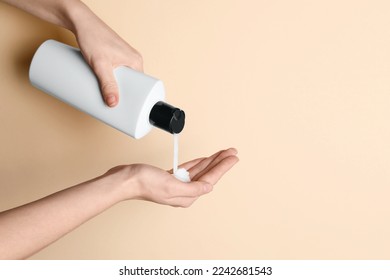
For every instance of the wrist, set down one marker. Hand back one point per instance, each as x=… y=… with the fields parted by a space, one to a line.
x=122 y=183
x=74 y=14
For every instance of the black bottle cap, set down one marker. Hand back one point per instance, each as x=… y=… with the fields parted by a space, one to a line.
x=167 y=117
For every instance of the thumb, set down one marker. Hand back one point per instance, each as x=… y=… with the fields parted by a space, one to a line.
x=194 y=189
x=107 y=82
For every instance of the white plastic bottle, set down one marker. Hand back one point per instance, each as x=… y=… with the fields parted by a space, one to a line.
x=61 y=71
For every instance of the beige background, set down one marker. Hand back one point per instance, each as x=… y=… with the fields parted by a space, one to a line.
x=301 y=88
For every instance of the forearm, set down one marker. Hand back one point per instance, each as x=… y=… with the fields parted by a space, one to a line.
x=64 y=13
x=29 y=228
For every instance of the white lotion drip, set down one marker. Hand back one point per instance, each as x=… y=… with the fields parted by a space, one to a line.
x=180 y=173
x=175 y=152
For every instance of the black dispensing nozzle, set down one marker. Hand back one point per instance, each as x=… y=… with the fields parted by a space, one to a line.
x=167 y=117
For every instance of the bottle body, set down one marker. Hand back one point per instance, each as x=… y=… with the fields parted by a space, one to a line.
x=61 y=71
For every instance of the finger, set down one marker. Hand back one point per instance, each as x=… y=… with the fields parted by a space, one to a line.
x=215 y=173
x=136 y=61
x=189 y=164
x=184 y=202
x=213 y=161
x=192 y=189
x=107 y=82
x=131 y=58
x=194 y=170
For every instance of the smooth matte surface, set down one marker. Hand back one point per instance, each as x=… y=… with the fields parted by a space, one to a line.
x=61 y=71
x=300 y=88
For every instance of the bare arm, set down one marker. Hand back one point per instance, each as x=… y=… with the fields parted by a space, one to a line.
x=29 y=228
x=58 y=12
x=101 y=47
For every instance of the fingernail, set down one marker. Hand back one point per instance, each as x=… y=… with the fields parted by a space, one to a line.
x=111 y=100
